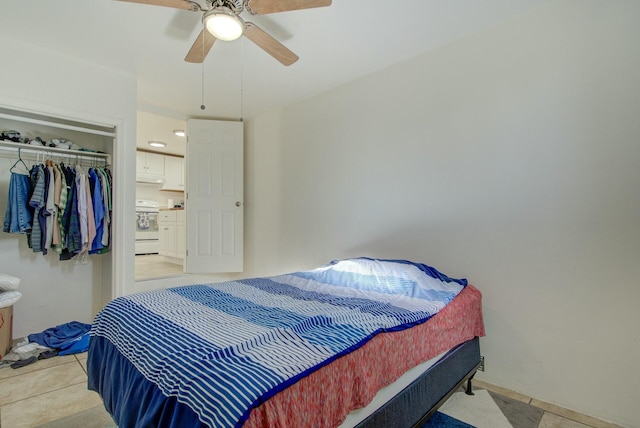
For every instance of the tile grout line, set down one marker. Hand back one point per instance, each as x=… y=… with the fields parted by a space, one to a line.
x=530 y=400
x=559 y=414
x=37 y=370
x=81 y=366
x=41 y=393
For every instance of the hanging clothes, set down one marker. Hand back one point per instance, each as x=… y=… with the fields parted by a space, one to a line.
x=71 y=221
x=62 y=209
x=106 y=198
x=81 y=196
x=55 y=241
x=106 y=238
x=37 y=203
x=60 y=201
x=91 y=219
x=98 y=210
x=50 y=208
x=18 y=217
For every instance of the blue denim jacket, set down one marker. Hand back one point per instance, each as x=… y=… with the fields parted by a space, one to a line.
x=17 y=218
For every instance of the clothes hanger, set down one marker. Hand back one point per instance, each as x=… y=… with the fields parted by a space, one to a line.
x=19 y=161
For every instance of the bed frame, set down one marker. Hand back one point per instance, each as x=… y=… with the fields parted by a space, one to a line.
x=430 y=390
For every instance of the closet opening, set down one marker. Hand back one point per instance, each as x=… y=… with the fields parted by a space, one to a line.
x=58 y=287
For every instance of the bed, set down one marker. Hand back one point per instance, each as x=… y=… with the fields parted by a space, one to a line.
x=305 y=349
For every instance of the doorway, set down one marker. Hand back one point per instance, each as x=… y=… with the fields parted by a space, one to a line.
x=157 y=241
x=159 y=190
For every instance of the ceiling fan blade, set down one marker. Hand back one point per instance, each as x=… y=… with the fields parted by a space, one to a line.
x=200 y=47
x=176 y=4
x=270 y=45
x=263 y=7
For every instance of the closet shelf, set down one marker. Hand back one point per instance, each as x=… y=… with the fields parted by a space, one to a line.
x=60 y=123
x=53 y=151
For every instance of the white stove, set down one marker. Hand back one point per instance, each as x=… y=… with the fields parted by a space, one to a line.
x=147 y=233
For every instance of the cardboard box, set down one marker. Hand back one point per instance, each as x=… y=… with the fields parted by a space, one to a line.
x=6 y=330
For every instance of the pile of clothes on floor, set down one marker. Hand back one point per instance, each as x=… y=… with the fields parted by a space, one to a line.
x=64 y=339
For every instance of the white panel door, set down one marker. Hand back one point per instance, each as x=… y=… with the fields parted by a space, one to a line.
x=214 y=170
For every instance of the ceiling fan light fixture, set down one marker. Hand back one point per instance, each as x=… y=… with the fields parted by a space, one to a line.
x=223 y=24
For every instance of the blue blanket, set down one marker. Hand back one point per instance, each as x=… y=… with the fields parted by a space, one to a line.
x=223 y=349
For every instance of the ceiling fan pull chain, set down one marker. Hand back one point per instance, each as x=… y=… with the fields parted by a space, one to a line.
x=202 y=106
x=242 y=80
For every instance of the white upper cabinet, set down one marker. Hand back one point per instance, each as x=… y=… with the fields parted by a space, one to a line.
x=150 y=167
x=173 y=173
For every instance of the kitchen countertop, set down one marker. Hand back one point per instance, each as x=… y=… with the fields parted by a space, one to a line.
x=172 y=209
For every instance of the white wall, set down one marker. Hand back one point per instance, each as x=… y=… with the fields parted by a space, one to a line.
x=510 y=158
x=45 y=81
x=262 y=205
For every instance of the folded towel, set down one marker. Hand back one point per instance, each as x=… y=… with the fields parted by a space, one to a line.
x=8 y=298
x=8 y=282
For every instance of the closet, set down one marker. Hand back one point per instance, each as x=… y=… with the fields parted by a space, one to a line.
x=54 y=290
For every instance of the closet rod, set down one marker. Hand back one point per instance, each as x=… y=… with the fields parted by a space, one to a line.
x=57 y=125
x=54 y=151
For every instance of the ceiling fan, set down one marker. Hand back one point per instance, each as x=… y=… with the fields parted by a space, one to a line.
x=222 y=21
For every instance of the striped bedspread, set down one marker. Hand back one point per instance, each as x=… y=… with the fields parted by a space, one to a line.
x=225 y=348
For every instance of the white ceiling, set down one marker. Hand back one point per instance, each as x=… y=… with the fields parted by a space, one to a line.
x=335 y=44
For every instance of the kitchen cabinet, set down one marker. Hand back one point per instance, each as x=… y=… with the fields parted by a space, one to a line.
x=173 y=173
x=150 y=167
x=167 y=239
x=172 y=237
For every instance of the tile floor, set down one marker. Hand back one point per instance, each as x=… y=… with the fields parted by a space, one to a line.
x=553 y=416
x=51 y=389
x=44 y=391
x=154 y=266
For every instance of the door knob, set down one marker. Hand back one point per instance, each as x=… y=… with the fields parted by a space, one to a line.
x=238 y=204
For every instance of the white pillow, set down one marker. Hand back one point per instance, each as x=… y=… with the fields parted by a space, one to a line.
x=8 y=282
x=8 y=298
